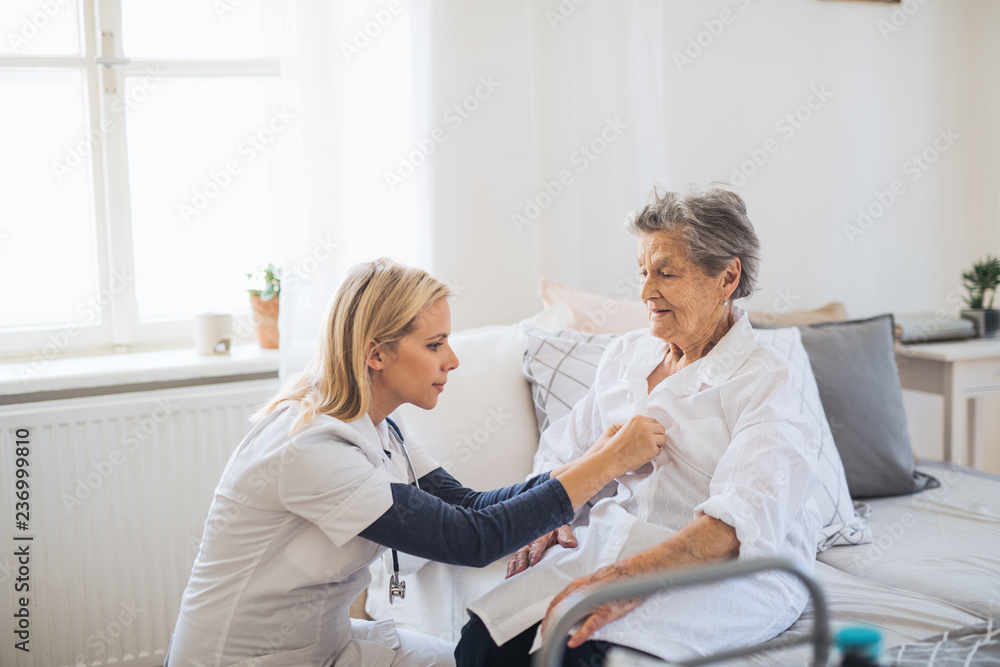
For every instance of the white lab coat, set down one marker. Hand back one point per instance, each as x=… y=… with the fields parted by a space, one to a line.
x=281 y=561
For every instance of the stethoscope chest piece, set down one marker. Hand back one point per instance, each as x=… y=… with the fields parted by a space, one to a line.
x=397 y=587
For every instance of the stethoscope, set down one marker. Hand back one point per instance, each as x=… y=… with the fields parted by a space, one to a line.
x=397 y=587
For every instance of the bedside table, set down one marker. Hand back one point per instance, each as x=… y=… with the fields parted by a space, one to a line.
x=962 y=372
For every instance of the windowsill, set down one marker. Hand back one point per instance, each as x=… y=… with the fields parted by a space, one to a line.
x=102 y=374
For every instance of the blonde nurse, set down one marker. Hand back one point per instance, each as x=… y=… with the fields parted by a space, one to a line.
x=327 y=480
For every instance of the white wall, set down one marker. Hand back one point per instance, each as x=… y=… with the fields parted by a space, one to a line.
x=890 y=97
x=892 y=92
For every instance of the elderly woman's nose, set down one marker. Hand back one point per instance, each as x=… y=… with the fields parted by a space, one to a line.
x=647 y=291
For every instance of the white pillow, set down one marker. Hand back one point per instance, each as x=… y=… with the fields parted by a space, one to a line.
x=561 y=366
x=841 y=522
x=483 y=430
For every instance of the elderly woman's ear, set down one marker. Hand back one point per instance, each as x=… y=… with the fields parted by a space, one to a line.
x=731 y=278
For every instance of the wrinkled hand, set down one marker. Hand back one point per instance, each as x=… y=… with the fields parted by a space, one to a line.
x=635 y=443
x=527 y=556
x=598 y=616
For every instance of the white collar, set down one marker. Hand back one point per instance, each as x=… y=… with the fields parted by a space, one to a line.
x=368 y=431
x=713 y=369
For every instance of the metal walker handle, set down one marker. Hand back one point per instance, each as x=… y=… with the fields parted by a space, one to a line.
x=579 y=603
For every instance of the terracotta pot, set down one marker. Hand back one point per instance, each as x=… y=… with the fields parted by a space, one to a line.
x=265 y=316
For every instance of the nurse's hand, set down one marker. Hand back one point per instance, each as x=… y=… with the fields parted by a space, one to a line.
x=609 y=433
x=527 y=556
x=631 y=447
x=634 y=444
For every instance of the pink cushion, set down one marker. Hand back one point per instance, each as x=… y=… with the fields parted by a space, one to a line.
x=596 y=313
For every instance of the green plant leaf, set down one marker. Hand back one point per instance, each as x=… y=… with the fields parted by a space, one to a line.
x=983 y=277
x=266 y=282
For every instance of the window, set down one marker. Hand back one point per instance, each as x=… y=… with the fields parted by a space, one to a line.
x=139 y=167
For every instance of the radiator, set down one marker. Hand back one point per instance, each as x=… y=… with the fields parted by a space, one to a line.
x=119 y=486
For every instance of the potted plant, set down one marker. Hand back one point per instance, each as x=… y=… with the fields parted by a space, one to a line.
x=264 y=293
x=983 y=278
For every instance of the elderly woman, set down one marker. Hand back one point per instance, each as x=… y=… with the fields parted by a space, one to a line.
x=735 y=479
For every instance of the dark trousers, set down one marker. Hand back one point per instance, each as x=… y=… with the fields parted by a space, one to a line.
x=477 y=649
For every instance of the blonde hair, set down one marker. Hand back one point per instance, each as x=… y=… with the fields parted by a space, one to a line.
x=378 y=301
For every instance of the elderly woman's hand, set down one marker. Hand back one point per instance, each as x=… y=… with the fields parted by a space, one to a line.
x=603 y=614
x=704 y=540
x=527 y=556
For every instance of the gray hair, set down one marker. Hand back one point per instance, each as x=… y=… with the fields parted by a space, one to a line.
x=714 y=225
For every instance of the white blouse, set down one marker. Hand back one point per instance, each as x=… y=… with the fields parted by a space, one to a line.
x=736 y=450
x=281 y=561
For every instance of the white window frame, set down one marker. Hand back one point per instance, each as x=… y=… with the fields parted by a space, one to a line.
x=106 y=70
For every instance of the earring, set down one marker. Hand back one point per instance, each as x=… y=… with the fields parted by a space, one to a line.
x=725 y=302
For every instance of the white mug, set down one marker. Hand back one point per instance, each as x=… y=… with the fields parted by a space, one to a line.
x=213 y=333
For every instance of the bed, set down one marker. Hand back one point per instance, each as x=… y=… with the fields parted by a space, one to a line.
x=931 y=589
x=932 y=567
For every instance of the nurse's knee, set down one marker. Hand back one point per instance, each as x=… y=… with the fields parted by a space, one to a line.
x=419 y=650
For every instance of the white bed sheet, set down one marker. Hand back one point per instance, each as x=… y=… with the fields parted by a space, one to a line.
x=902 y=616
x=944 y=543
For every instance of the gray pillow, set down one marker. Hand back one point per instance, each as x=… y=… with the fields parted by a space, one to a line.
x=855 y=368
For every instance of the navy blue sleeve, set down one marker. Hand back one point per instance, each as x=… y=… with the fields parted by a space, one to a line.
x=441 y=484
x=424 y=525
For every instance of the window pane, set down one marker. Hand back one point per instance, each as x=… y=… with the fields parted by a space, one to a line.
x=35 y=27
x=47 y=227
x=193 y=29
x=201 y=154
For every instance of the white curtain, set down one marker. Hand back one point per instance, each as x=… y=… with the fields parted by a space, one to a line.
x=489 y=142
x=348 y=69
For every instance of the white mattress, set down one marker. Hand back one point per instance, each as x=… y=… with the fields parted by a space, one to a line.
x=902 y=616
x=944 y=543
